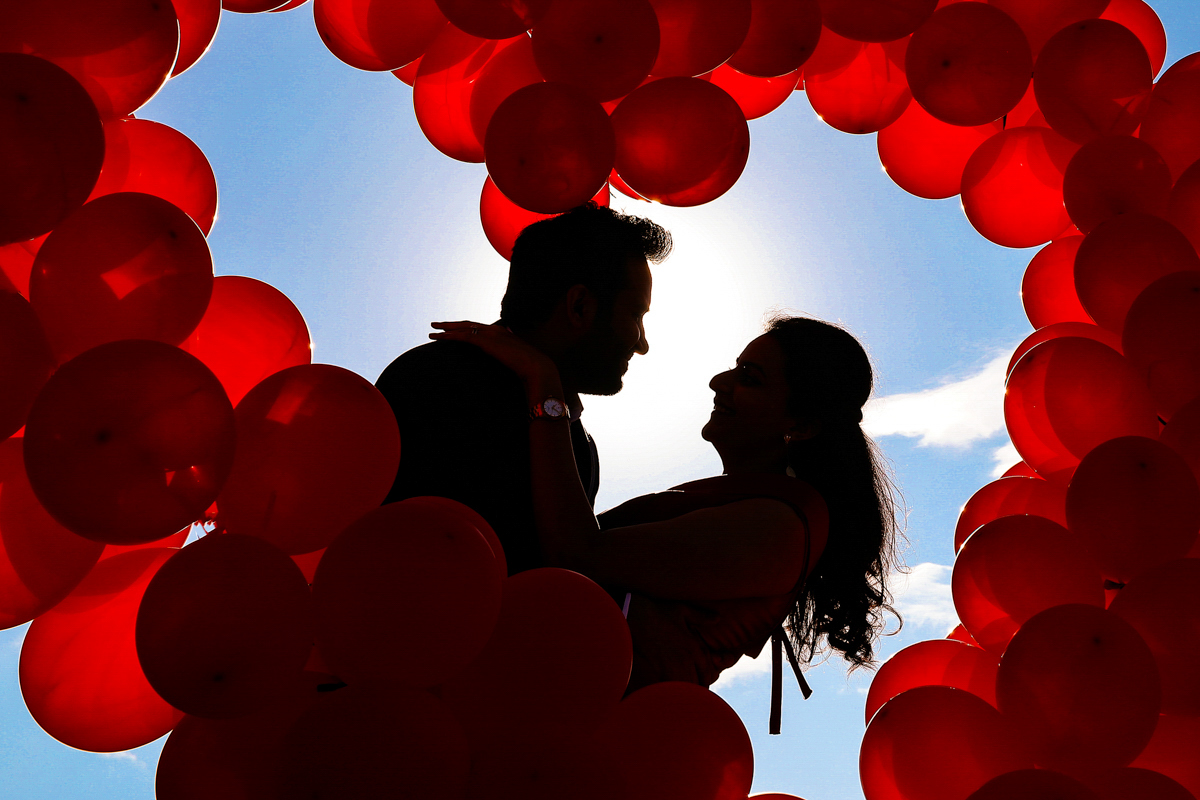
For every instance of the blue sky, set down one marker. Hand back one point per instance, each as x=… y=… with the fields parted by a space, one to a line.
x=329 y=192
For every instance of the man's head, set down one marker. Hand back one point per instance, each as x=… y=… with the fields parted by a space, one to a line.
x=579 y=285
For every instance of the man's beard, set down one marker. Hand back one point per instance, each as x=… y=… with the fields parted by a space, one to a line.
x=593 y=365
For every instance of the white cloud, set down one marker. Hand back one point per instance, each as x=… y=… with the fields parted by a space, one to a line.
x=955 y=414
x=746 y=669
x=923 y=596
x=1004 y=457
x=125 y=755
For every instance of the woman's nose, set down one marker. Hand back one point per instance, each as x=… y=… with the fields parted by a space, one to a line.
x=719 y=380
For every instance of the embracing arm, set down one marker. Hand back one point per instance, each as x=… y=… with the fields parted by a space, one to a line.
x=749 y=548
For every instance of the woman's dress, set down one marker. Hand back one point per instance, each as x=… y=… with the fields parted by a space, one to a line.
x=726 y=629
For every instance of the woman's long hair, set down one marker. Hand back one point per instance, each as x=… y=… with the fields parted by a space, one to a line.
x=846 y=596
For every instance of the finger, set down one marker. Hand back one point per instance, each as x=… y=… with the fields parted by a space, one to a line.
x=453 y=325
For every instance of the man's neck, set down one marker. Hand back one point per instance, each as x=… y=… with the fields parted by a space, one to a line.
x=546 y=345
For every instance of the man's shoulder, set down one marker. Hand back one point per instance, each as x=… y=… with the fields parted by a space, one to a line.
x=441 y=365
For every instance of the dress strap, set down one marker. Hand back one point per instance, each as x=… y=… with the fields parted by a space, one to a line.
x=779 y=640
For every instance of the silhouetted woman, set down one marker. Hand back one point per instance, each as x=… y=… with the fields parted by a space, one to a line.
x=793 y=541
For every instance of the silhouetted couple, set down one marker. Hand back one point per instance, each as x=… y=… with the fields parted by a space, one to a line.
x=791 y=543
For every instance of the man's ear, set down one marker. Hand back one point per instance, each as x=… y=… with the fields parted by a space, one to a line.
x=581 y=308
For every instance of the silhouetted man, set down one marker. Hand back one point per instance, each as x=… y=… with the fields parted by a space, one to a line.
x=579 y=284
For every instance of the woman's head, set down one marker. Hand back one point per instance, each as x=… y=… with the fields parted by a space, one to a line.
x=797 y=395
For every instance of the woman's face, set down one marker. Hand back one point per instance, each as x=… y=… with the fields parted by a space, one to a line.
x=750 y=403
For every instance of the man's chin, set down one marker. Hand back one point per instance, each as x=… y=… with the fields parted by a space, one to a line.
x=604 y=389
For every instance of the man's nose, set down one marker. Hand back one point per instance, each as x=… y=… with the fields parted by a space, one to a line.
x=643 y=346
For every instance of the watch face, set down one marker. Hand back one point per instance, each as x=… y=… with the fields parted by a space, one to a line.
x=554 y=407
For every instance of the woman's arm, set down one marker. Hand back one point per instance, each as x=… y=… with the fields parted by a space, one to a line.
x=751 y=548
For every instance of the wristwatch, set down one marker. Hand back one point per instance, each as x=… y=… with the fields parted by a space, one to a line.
x=550 y=408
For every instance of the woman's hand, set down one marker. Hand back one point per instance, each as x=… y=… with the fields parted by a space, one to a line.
x=532 y=365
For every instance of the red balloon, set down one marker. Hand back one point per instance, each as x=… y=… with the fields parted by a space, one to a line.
x=1183 y=208
x=129 y=442
x=1048 y=287
x=149 y=157
x=697 y=36
x=680 y=141
x=678 y=740
x=252 y=6
x=40 y=561
x=1145 y=24
x=408 y=73
x=783 y=35
x=1021 y=469
x=16 y=264
x=442 y=91
x=1005 y=497
x=969 y=64
x=79 y=671
x=875 y=20
x=291 y=4
x=936 y=743
x=122 y=51
x=198 y=21
x=531 y=761
x=833 y=53
x=1012 y=186
x=1093 y=79
x=236 y=758
x=318 y=447
x=359 y=743
x=225 y=627
x=1182 y=435
x=549 y=147
x=25 y=361
x=503 y=220
x=1041 y=19
x=1026 y=111
x=250 y=331
x=757 y=97
x=869 y=94
x=1082 y=687
x=1136 y=503
x=1015 y=567
x=926 y=156
x=1115 y=175
x=471 y=517
x=937 y=662
x=1172 y=751
x=1033 y=784
x=558 y=660
x=377 y=35
x=418 y=564
x=125 y=266
x=960 y=634
x=1160 y=605
x=53 y=147
x=1068 y=395
x=1172 y=122
x=1085 y=330
x=1162 y=339
x=1129 y=783
x=615 y=182
x=506 y=71
x=604 y=49
x=494 y=19
x=175 y=540
x=1121 y=257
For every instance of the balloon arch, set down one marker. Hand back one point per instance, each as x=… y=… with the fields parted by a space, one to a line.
x=129 y=372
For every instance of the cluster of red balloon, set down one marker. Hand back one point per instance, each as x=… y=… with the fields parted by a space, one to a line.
x=142 y=394
x=1067 y=678
x=565 y=100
